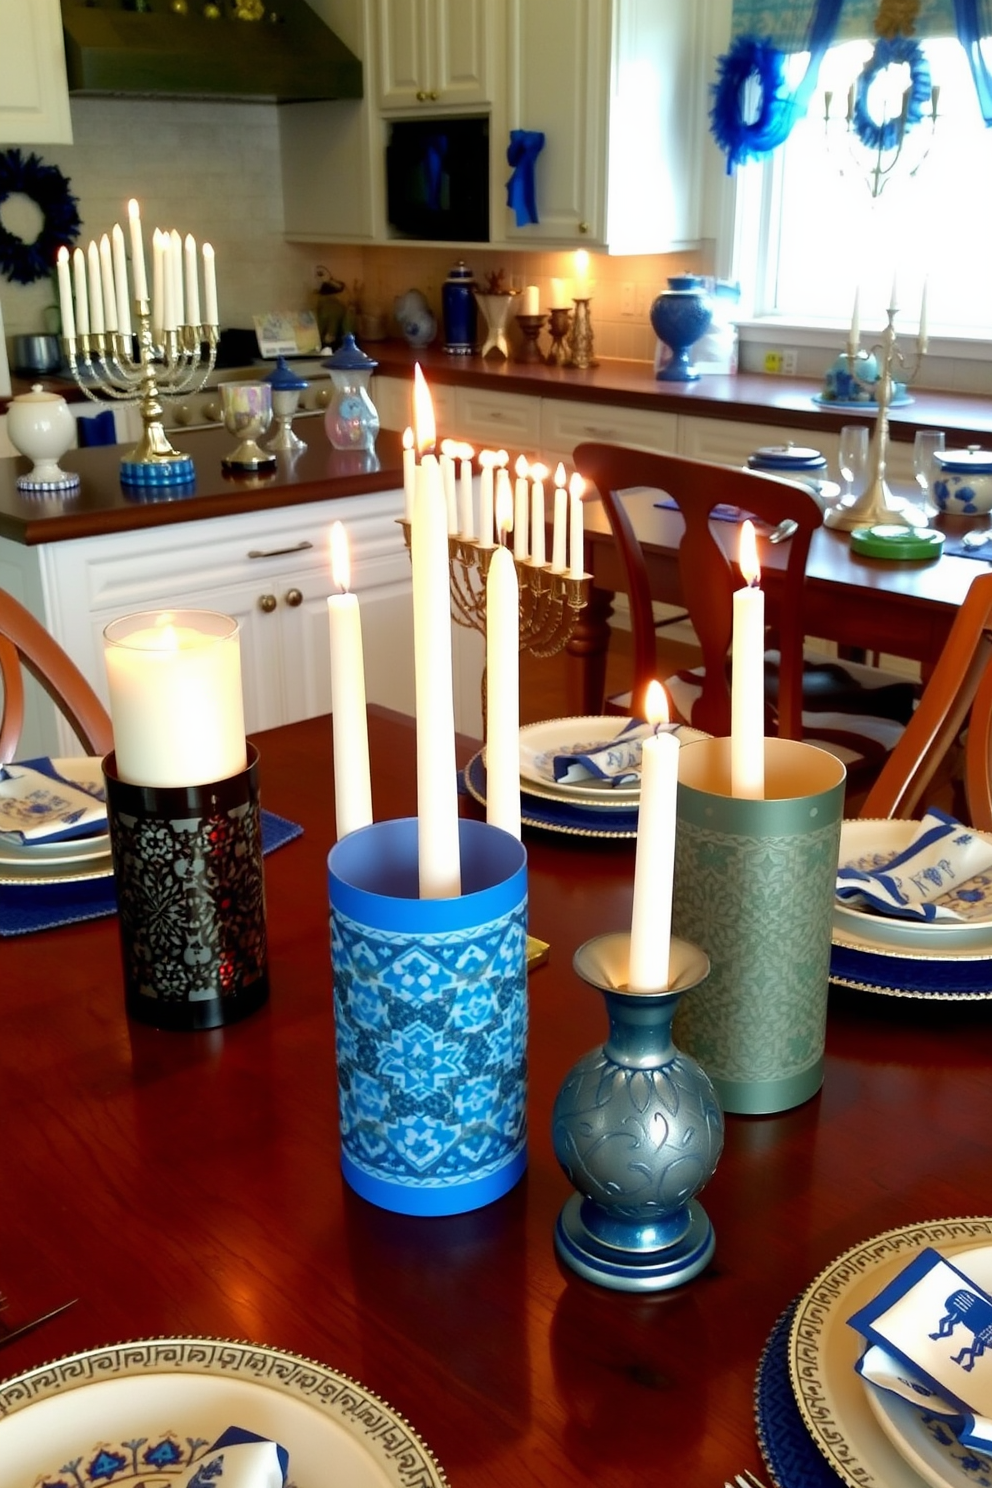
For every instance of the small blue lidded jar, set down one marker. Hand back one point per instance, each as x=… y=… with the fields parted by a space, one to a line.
x=351 y=420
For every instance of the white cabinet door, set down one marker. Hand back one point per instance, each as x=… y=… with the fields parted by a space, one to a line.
x=564 y=425
x=433 y=53
x=34 y=94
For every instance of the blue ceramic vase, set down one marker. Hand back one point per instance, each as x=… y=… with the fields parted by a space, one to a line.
x=679 y=317
x=459 y=311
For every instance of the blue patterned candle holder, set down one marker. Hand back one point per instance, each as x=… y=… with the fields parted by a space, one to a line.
x=430 y=1009
x=754 y=886
x=638 y=1130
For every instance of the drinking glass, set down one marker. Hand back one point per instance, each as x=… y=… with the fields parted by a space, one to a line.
x=853 y=458
x=925 y=445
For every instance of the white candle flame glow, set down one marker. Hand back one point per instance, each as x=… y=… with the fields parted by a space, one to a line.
x=423 y=412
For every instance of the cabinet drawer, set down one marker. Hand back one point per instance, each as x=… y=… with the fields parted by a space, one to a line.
x=393 y=399
x=564 y=425
x=503 y=420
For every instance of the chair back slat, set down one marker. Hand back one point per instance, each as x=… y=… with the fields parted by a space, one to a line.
x=25 y=639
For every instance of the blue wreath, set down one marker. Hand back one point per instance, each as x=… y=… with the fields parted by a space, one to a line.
x=889 y=51
x=751 y=56
x=22 y=262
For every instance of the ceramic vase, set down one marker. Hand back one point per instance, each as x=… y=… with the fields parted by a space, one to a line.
x=638 y=1129
x=459 y=311
x=496 y=313
x=679 y=317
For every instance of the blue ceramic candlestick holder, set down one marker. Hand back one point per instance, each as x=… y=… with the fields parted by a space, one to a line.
x=430 y=1009
x=638 y=1130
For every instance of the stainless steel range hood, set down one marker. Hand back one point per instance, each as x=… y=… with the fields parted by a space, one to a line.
x=146 y=49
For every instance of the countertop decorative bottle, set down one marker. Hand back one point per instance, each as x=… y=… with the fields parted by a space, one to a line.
x=459 y=311
x=679 y=317
x=351 y=420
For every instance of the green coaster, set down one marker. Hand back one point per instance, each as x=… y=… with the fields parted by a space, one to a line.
x=892 y=541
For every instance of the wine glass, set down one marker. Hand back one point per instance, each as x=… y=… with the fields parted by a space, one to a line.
x=247 y=414
x=925 y=445
x=853 y=458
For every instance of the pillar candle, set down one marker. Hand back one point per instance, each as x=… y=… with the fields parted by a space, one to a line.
x=120 y=281
x=109 y=292
x=581 y=286
x=466 y=505
x=409 y=473
x=538 y=473
x=559 y=294
x=487 y=464
x=503 y=682
x=192 y=282
x=210 y=315
x=176 y=260
x=82 y=300
x=530 y=301
x=65 y=292
x=576 y=533
x=352 y=781
x=521 y=512
x=174 y=681
x=559 y=532
x=439 y=855
x=95 y=288
x=747 y=712
x=448 y=483
x=158 y=285
x=654 y=862
x=137 y=251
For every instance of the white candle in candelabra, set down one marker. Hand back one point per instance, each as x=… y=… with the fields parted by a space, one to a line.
x=503 y=680
x=82 y=300
x=210 y=286
x=109 y=292
x=894 y=294
x=576 y=529
x=560 y=529
x=192 y=282
x=169 y=317
x=747 y=697
x=502 y=490
x=854 y=338
x=487 y=465
x=120 y=281
x=65 y=292
x=439 y=854
x=352 y=780
x=466 y=506
x=158 y=284
x=137 y=252
x=447 y=463
x=95 y=288
x=530 y=301
x=176 y=259
x=923 y=338
x=409 y=473
x=521 y=512
x=538 y=474
x=654 y=862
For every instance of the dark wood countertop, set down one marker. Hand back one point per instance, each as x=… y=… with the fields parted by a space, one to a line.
x=101 y=505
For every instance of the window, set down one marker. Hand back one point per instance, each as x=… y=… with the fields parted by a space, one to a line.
x=808 y=236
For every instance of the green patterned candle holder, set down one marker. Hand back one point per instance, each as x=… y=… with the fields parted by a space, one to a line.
x=754 y=887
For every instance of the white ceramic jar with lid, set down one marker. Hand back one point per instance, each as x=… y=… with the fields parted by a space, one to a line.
x=964 y=486
x=40 y=426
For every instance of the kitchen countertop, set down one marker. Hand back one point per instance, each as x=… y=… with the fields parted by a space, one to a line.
x=318 y=473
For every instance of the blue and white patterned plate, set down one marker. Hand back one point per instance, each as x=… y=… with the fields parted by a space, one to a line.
x=577 y=819
x=137 y=1415
x=792 y=1458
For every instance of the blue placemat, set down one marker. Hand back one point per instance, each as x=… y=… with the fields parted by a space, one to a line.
x=720 y=513
x=954 y=548
x=25 y=908
x=914 y=976
x=792 y=1457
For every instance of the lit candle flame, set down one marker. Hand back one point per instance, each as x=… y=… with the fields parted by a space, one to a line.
x=408 y=438
x=748 y=561
x=423 y=412
x=576 y=485
x=581 y=262
x=521 y=467
x=489 y=459
x=656 y=709
x=539 y=472
x=504 y=510
x=340 y=558
x=559 y=474
x=450 y=447
x=502 y=458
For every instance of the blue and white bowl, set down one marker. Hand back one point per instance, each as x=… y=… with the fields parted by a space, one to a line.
x=964 y=485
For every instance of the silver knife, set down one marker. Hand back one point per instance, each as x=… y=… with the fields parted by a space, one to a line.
x=6 y=1338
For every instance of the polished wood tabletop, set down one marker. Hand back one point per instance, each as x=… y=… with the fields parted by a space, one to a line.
x=189 y=1183
x=903 y=608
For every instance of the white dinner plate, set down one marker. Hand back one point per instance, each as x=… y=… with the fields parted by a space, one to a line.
x=540 y=741
x=924 y=1440
x=85 y=771
x=823 y=1351
x=871 y=843
x=144 y=1412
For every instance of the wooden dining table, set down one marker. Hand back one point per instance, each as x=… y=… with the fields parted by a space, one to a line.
x=903 y=608
x=188 y=1184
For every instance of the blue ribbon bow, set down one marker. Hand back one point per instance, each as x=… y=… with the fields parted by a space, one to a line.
x=524 y=148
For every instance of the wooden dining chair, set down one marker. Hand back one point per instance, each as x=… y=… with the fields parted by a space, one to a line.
x=25 y=645
x=956 y=701
x=855 y=711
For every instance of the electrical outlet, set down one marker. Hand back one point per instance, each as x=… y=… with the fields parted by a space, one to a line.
x=773 y=361
x=644 y=299
x=627 y=297
x=789 y=360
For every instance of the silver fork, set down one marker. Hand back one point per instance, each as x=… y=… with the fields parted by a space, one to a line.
x=745 y=1479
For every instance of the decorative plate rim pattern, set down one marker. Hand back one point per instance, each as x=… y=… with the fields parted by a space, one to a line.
x=546 y=825
x=386 y=1435
x=815 y=1312
x=878 y=990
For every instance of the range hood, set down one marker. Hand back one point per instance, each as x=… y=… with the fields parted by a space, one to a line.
x=145 y=48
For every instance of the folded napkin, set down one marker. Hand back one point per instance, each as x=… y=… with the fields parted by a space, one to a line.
x=941 y=860
x=617 y=760
x=38 y=805
x=241 y=1459
x=930 y=1337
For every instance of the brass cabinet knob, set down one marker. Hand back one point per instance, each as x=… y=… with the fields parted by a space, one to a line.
x=267 y=603
x=422 y=97
x=294 y=597
x=212 y=412
x=583 y=227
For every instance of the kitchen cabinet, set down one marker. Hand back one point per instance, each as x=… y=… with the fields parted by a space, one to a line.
x=434 y=54
x=34 y=93
x=564 y=425
x=624 y=115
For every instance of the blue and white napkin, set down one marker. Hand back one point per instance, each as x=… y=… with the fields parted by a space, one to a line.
x=241 y=1459
x=941 y=859
x=38 y=805
x=929 y=1333
x=616 y=760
